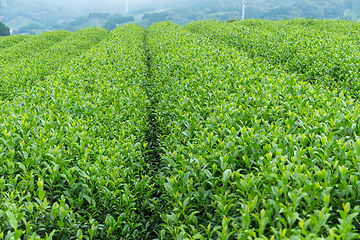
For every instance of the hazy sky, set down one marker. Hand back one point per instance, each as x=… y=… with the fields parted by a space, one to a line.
x=110 y=5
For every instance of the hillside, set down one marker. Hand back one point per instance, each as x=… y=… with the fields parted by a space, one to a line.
x=105 y=20
x=266 y=9
x=21 y=13
x=212 y=130
x=183 y=12
x=21 y=21
x=324 y=9
x=34 y=17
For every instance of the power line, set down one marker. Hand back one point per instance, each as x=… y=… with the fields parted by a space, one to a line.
x=4 y=3
x=127 y=6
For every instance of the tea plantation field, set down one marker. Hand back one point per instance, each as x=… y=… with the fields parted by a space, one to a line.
x=214 y=130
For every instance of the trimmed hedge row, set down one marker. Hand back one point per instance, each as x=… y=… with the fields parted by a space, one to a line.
x=72 y=164
x=250 y=152
x=321 y=51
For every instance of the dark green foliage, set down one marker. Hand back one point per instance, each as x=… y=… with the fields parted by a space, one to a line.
x=232 y=20
x=114 y=20
x=84 y=19
x=119 y=19
x=4 y=30
x=110 y=25
x=29 y=29
x=157 y=16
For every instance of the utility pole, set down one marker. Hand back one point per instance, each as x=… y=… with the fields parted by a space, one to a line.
x=4 y=3
x=243 y=12
x=127 y=6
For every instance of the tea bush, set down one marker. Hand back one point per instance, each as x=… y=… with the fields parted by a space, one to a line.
x=250 y=152
x=72 y=165
x=30 y=46
x=21 y=74
x=11 y=40
x=322 y=51
x=166 y=133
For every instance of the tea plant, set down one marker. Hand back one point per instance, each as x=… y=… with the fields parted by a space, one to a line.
x=22 y=74
x=72 y=165
x=170 y=134
x=320 y=51
x=12 y=40
x=30 y=46
x=251 y=153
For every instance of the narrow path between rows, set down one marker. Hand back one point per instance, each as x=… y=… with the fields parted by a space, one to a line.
x=152 y=150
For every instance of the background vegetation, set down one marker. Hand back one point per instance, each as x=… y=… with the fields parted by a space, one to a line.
x=32 y=17
x=4 y=30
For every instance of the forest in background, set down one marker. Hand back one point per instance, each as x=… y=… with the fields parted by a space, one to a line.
x=33 y=17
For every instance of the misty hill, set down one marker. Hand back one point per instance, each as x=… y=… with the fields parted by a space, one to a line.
x=21 y=13
x=35 y=16
x=185 y=11
x=324 y=9
x=88 y=6
x=105 y=20
x=268 y=9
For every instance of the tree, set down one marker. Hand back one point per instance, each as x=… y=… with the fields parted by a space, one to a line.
x=157 y=16
x=4 y=30
x=110 y=25
x=29 y=29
